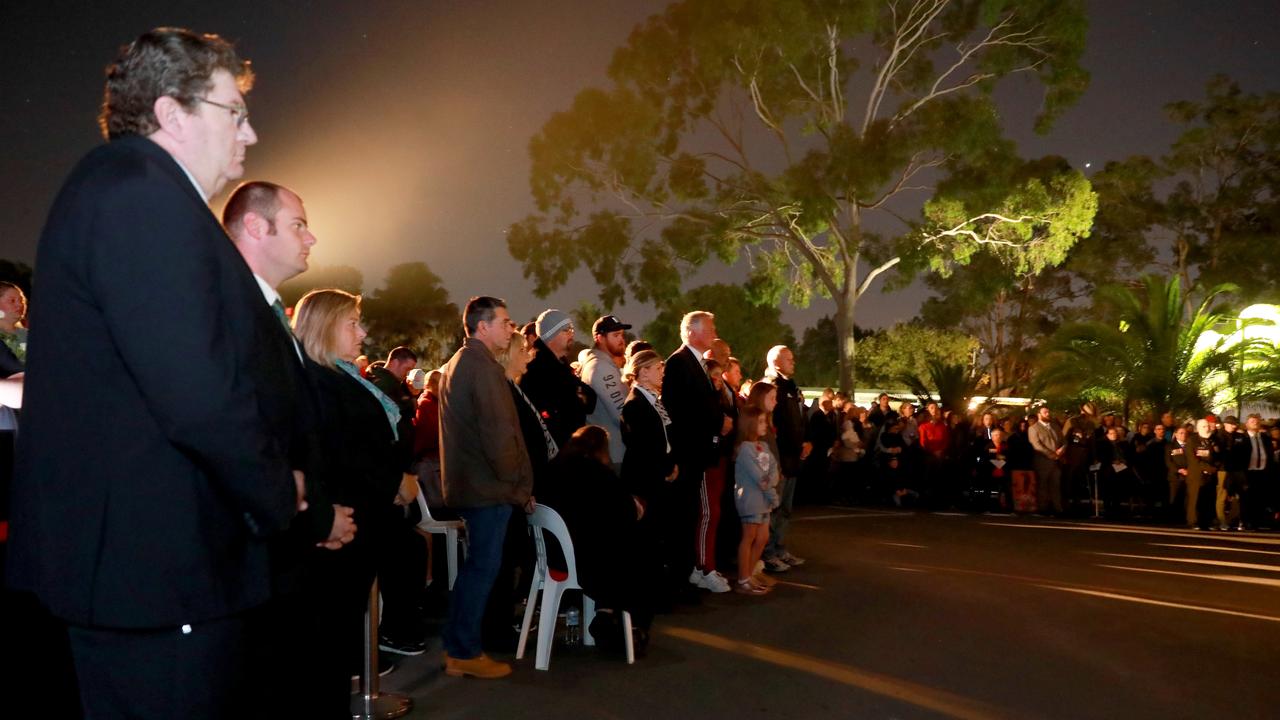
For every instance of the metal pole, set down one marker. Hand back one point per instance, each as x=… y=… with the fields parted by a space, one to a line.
x=369 y=704
x=1239 y=369
x=1097 y=479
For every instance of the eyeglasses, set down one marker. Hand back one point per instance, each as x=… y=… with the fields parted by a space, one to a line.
x=239 y=113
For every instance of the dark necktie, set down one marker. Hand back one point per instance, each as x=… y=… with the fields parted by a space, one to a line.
x=278 y=307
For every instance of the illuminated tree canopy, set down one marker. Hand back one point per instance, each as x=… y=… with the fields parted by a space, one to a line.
x=825 y=143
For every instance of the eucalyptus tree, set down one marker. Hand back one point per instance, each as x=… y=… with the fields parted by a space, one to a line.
x=824 y=142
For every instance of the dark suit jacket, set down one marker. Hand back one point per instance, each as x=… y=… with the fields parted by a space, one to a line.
x=1266 y=451
x=694 y=406
x=1203 y=467
x=1236 y=447
x=365 y=461
x=1176 y=461
x=143 y=497
x=788 y=420
x=646 y=463
x=287 y=405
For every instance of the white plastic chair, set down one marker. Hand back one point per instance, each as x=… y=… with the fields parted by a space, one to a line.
x=448 y=528
x=553 y=583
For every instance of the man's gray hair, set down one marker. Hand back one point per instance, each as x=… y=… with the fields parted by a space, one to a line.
x=693 y=321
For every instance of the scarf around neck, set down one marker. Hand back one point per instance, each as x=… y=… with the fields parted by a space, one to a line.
x=388 y=405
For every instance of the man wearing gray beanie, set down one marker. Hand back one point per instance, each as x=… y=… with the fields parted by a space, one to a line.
x=562 y=399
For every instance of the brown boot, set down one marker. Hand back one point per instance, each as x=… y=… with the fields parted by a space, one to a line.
x=481 y=666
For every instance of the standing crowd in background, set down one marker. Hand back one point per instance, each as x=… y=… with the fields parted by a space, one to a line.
x=1204 y=472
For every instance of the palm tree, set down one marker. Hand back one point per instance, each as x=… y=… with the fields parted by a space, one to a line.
x=1262 y=374
x=955 y=384
x=1153 y=352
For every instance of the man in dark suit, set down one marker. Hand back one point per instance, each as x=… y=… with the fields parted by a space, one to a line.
x=1259 y=485
x=696 y=423
x=1178 y=461
x=149 y=542
x=268 y=225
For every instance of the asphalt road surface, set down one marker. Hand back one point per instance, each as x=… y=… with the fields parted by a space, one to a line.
x=906 y=615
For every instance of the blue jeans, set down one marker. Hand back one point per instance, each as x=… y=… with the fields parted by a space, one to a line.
x=780 y=520
x=486 y=531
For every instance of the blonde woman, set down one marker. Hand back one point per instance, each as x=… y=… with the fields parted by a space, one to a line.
x=368 y=452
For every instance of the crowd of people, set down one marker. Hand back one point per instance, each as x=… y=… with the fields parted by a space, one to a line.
x=198 y=529
x=1200 y=471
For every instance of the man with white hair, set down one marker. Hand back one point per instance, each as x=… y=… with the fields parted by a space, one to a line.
x=1202 y=474
x=696 y=421
x=789 y=423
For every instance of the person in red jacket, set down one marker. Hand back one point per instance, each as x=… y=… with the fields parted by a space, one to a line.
x=935 y=438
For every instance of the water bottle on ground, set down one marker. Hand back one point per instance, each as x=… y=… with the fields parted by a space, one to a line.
x=572 y=626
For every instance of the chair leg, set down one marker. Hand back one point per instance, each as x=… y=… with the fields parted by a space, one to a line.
x=451 y=549
x=588 y=614
x=426 y=538
x=551 y=592
x=627 y=640
x=534 y=586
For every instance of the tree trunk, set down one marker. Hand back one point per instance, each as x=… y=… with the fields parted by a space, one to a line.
x=846 y=346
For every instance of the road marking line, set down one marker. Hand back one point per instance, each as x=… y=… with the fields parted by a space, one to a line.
x=1134 y=531
x=1271 y=582
x=1030 y=580
x=846 y=516
x=906 y=569
x=1196 y=561
x=1216 y=547
x=1148 y=601
x=940 y=701
x=796 y=584
x=883 y=542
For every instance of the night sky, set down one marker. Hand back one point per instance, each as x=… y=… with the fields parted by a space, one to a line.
x=404 y=124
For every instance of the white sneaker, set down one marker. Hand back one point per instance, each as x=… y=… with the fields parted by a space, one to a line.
x=775 y=565
x=696 y=577
x=715 y=582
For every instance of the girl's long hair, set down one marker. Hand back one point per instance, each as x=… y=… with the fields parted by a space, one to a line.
x=748 y=424
x=755 y=399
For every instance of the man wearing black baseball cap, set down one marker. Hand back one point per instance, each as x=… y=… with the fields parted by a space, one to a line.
x=600 y=369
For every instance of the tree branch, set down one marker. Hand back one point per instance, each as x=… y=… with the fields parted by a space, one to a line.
x=810 y=253
x=905 y=38
x=907 y=173
x=762 y=111
x=866 y=281
x=995 y=37
x=987 y=237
